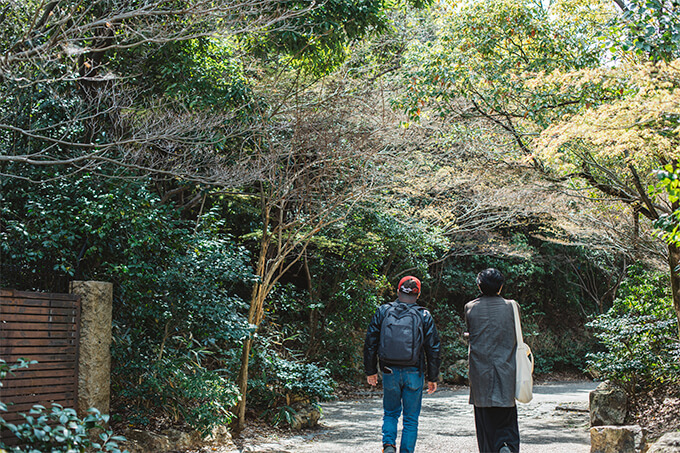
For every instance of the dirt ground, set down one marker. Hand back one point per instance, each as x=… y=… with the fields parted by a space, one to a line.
x=556 y=421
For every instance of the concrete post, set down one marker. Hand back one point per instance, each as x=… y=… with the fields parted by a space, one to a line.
x=94 y=365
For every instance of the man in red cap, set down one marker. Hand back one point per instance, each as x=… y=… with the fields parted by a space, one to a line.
x=403 y=337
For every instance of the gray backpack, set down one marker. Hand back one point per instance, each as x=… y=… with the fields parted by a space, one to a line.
x=401 y=335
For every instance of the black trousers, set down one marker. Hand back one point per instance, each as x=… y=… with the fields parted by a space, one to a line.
x=496 y=426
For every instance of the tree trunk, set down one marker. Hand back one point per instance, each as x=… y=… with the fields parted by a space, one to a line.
x=243 y=383
x=313 y=312
x=254 y=317
x=674 y=262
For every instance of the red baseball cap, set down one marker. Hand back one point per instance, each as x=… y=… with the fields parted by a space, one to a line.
x=409 y=290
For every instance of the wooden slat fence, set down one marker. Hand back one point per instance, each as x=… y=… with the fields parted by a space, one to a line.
x=42 y=327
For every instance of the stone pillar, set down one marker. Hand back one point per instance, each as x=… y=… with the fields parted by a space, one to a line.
x=94 y=365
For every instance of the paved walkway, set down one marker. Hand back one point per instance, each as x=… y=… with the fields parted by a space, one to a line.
x=556 y=421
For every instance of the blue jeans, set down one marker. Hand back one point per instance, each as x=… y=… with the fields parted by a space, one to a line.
x=403 y=388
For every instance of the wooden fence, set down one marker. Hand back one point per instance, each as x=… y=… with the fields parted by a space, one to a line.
x=45 y=328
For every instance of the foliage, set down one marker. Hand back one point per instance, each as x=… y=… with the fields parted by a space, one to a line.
x=280 y=381
x=483 y=57
x=138 y=115
x=639 y=335
x=6 y=369
x=285 y=416
x=319 y=41
x=178 y=387
x=560 y=351
x=61 y=430
x=177 y=304
x=72 y=227
x=669 y=224
x=648 y=27
x=58 y=430
x=546 y=280
x=203 y=74
x=355 y=266
x=451 y=327
x=181 y=319
x=641 y=122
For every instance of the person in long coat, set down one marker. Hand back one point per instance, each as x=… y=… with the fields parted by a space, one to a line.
x=491 y=333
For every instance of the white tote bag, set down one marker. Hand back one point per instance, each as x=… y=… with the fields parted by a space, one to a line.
x=524 y=381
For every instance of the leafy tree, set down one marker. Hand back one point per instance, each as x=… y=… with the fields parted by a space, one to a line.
x=316 y=171
x=483 y=64
x=639 y=135
x=649 y=27
x=352 y=268
x=603 y=128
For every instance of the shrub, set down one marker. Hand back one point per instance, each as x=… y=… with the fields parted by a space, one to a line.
x=277 y=383
x=453 y=346
x=58 y=430
x=639 y=335
x=178 y=321
x=558 y=351
x=179 y=386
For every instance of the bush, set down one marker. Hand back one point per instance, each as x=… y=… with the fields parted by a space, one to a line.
x=179 y=388
x=453 y=346
x=277 y=383
x=639 y=335
x=59 y=430
x=558 y=351
x=179 y=319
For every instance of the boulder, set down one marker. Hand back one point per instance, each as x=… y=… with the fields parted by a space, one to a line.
x=306 y=416
x=617 y=439
x=668 y=443
x=608 y=405
x=219 y=436
x=457 y=373
x=181 y=440
x=139 y=441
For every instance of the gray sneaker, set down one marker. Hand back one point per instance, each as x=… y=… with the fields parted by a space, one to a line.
x=505 y=449
x=387 y=448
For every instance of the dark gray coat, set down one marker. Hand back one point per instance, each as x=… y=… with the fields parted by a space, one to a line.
x=491 y=324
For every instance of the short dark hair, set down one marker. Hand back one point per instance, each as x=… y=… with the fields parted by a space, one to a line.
x=490 y=281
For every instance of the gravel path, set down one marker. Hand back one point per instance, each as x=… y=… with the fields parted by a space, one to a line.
x=556 y=421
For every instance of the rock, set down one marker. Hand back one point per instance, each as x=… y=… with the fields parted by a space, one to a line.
x=617 y=439
x=139 y=441
x=306 y=417
x=221 y=436
x=608 y=405
x=457 y=373
x=668 y=443
x=182 y=440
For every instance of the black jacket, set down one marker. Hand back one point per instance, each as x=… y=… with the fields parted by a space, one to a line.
x=429 y=357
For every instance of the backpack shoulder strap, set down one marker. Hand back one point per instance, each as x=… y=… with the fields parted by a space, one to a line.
x=422 y=310
x=391 y=305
